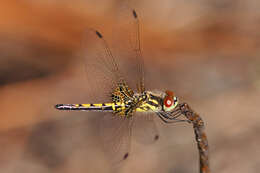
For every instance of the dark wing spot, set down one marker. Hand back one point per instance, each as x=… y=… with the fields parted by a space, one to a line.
x=125 y=156
x=99 y=35
x=156 y=137
x=134 y=13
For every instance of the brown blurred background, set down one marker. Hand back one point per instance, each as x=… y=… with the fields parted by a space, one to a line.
x=206 y=51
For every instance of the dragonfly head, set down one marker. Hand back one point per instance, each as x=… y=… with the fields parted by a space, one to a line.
x=170 y=101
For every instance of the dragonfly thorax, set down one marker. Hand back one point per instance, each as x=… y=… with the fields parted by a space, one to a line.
x=149 y=102
x=157 y=101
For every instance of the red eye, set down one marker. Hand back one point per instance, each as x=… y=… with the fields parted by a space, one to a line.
x=168 y=102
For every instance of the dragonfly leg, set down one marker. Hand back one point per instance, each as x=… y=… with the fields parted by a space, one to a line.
x=168 y=119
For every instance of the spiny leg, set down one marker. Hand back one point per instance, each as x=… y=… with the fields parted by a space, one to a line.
x=174 y=115
x=167 y=119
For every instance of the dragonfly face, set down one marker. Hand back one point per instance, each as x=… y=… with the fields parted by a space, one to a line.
x=170 y=101
x=123 y=107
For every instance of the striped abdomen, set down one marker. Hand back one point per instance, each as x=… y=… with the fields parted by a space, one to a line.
x=110 y=107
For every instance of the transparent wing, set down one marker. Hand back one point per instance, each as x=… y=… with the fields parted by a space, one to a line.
x=116 y=135
x=99 y=65
x=117 y=132
x=128 y=36
x=104 y=70
x=102 y=74
x=144 y=128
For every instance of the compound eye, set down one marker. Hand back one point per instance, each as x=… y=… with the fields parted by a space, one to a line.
x=168 y=102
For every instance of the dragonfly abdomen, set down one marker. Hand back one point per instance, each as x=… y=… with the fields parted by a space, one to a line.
x=109 y=107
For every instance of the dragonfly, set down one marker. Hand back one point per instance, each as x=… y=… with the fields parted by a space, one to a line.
x=124 y=103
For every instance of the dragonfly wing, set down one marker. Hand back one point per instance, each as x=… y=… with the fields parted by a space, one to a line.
x=116 y=135
x=100 y=67
x=128 y=36
x=103 y=74
x=145 y=130
x=103 y=71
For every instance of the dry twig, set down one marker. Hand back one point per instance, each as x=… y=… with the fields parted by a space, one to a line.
x=200 y=136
